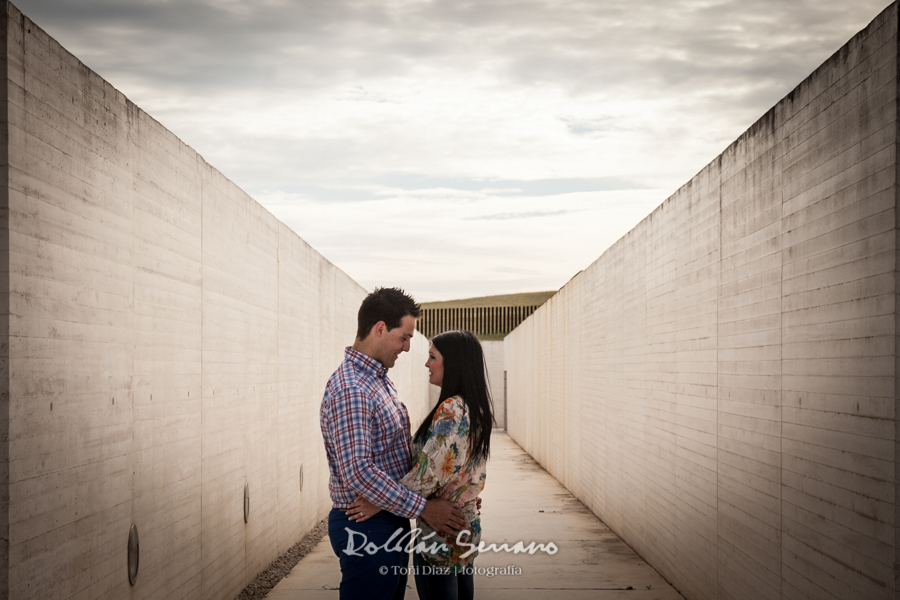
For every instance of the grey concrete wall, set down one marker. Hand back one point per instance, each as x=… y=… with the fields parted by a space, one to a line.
x=169 y=341
x=720 y=386
x=495 y=359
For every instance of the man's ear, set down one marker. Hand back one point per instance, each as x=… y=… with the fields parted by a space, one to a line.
x=379 y=329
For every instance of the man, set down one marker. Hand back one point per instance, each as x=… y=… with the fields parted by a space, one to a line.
x=367 y=440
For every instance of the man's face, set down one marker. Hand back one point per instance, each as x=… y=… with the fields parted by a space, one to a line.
x=395 y=341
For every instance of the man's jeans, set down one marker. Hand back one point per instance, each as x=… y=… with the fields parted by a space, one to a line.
x=442 y=587
x=380 y=576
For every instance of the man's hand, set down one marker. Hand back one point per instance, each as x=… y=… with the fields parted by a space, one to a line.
x=361 y=510
x=444 y=515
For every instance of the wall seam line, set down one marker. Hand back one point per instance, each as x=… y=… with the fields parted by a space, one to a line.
x=6 y=391
x=718 y=345
x=197 y=165
x=896 y=561
x=781 y=143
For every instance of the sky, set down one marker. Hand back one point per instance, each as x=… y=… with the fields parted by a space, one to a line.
x=456 y=148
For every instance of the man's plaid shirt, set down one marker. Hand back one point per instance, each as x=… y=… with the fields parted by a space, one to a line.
x=367 y=438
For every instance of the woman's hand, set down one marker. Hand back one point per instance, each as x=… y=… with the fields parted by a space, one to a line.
x=361 y=510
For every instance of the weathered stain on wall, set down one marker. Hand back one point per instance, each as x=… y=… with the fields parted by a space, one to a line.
x=169 y=342
x=720 y=386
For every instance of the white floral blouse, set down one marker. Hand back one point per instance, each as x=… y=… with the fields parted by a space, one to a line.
x=442 y=468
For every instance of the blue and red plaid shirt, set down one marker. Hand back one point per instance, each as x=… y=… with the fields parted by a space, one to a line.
x=367 y=440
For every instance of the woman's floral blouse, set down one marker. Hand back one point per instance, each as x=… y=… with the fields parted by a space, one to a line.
x=442 y=468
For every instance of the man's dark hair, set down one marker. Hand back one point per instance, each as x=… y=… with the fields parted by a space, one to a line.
x=385 y=304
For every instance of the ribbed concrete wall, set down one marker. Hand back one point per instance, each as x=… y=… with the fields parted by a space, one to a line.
x=720 y=386
x=169 y=341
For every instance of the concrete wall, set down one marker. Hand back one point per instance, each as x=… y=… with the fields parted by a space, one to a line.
x=169 y=341
x=495 y=358
x=720 y=386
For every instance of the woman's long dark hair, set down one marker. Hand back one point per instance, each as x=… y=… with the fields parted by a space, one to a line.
x=465 y=375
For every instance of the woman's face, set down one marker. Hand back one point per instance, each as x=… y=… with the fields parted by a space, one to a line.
x=435 y=365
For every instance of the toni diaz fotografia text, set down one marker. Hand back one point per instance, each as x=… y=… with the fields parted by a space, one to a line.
x=358 y=541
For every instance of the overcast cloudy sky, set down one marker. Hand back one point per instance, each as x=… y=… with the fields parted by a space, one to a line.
x=456 y=148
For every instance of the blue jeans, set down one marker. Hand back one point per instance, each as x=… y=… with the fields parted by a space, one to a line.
x=380 y=576
x=442 y=587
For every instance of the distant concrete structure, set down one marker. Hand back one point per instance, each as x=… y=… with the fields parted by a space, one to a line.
x=166 y=341
x=488 y=317
x=721 y=386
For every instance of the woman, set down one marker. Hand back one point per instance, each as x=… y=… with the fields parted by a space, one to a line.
x=450 y=451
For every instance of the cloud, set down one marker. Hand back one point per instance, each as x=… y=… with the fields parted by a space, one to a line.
x=535 y=187
x=488 y=136
x=519 y=215
x=442 y=248
x=581 y=46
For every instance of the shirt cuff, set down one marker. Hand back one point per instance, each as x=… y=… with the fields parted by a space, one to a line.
x=416 y=505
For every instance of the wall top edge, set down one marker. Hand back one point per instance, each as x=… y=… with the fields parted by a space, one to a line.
x=768 y=121
x=21 y=22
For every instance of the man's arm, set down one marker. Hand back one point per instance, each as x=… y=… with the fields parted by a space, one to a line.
x=439 y=513
x=349 y=427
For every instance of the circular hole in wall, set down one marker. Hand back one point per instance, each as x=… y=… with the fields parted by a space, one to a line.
x=246 y=502
x=134 y=554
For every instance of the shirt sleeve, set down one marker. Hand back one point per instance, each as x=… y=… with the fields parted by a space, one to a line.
x=351 y=428
x=444 y=454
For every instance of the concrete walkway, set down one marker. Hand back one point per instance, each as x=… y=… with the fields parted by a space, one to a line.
x=522 y=502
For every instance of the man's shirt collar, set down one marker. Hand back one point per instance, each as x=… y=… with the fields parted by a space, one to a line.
x=366 y=363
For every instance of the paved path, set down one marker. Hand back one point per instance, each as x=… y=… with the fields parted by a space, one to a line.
x=522 y=502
